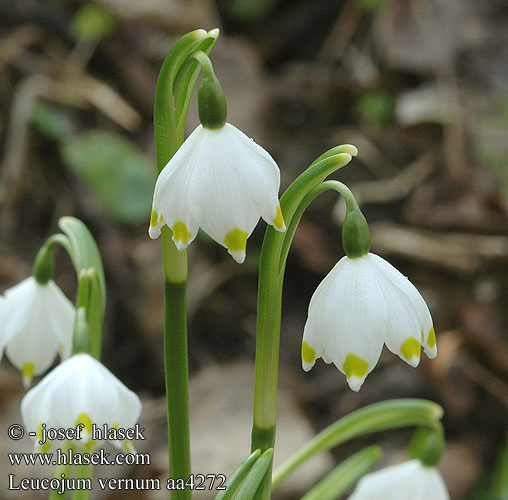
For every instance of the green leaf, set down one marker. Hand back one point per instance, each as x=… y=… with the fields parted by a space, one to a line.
x=256 y=474
x=340 y=479
x=117 y=172
x=238 y=476
x=376 y=417
x=93 y=22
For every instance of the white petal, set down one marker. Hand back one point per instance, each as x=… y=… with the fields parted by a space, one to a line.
x=5 y=335
x=347 y=315
x=37 y=405
x=87 y=394
x=171 y=198
x=409 y=480
x=402 y=335
x=262 y=173
x=61 y=315
x=39 y=321
x=237 y=183
x=176 y=210
x=220 y=194
x=414 y=300
x=80 y=386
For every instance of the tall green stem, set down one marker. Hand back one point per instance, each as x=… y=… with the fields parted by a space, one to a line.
x=271 y=275
x=176 y=362
x=175 y=84
x=60 y=469
x=83 y=472
x=175 y=351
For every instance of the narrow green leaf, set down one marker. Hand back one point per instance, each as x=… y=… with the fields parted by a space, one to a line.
x=340 y=479
x=118 y=173
x=250 y=485
x=237 y=477
x=376 y=417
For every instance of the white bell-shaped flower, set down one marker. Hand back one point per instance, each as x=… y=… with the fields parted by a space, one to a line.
x=362 y=304
x=221 y=181
x=36 y=323
x=80 y=390
x=408 y=480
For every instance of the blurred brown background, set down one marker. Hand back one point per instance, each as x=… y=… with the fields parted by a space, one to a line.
x=419 y=86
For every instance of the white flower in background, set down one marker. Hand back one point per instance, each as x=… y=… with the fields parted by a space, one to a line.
x=362 y=303
x=36 y=322
x=221 y=181
x=80 y=390
x=407 y=481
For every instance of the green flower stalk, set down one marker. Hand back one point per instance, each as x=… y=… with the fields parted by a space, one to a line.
x=271 y=274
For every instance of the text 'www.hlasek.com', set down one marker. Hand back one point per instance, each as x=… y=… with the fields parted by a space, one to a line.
x=64 y=449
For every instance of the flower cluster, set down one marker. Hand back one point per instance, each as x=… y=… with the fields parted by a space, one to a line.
x=36 y=323
x=362 y=304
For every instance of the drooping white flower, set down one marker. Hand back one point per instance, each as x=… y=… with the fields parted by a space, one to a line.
x=221 y=181
x=80 y=390
x=362 y=303
x=36 y=322
x=408 y=480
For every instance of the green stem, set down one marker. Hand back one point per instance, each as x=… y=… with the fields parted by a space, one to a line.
x=60 y=469
x=175 y=363
x=204 y=62
x=271 y=275
x=83 y=472
x=307 y=200
x=175 y=84
x=175 y=343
